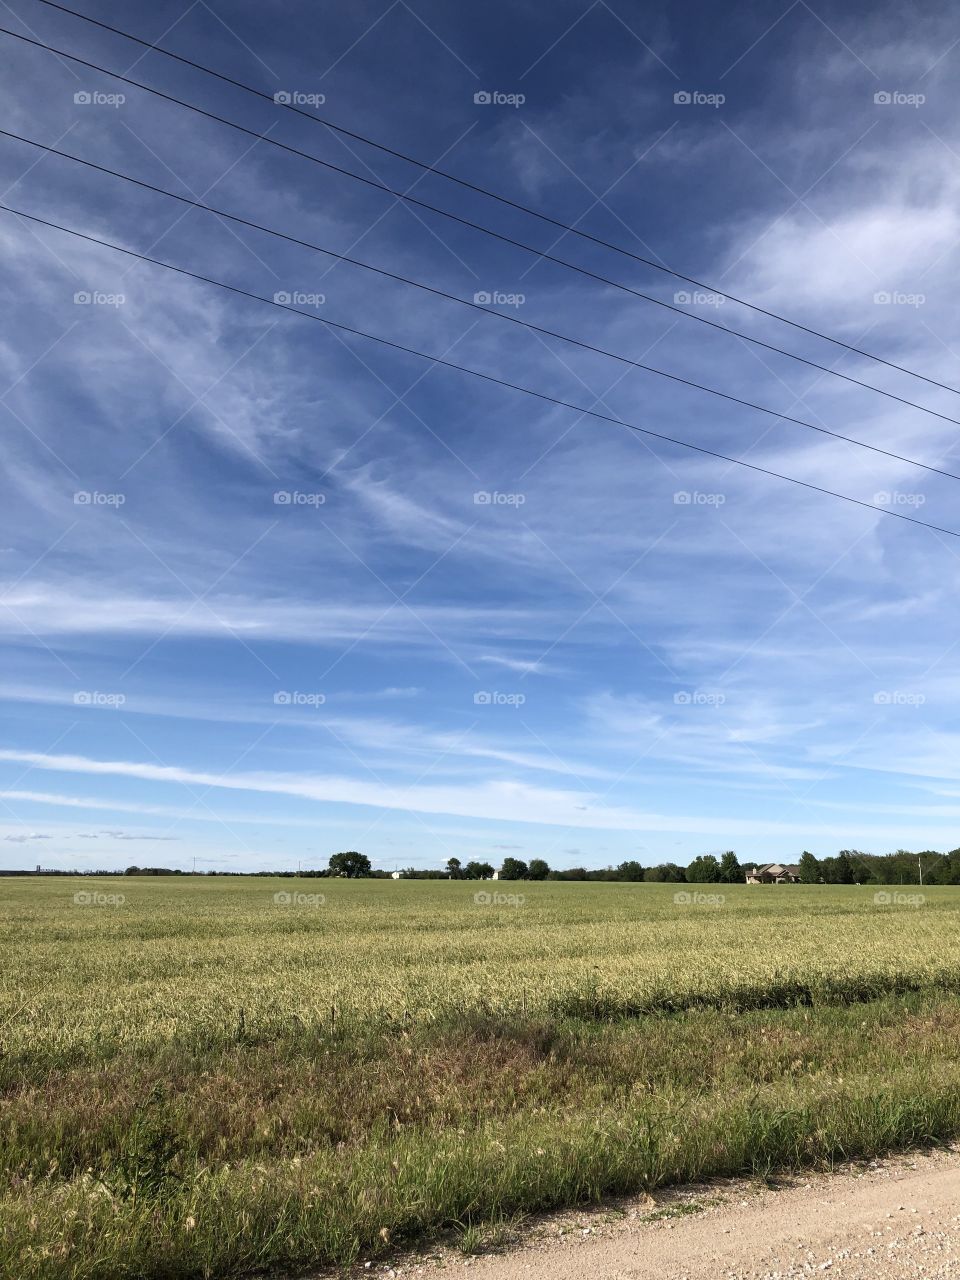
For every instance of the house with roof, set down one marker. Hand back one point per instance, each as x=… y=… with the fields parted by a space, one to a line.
x=774 y=873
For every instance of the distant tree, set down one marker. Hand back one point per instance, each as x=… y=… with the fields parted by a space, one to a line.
x=454 y=868
x=809 y=868
x=132 y=871
x=477 y=871
x=667 y=872
x=730 y=870
x=849 y=864
x=839 y=870
x=631 y=871
x=538 y=869
x=704 y=869
x=513 y=869
x=350 y=864
x=901 y=867
x=940 y=868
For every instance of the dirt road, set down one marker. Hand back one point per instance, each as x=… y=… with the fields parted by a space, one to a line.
x=894 y=1218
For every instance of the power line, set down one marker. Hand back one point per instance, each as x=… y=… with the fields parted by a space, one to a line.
x=493 y=195
x=477 y=373
x=476 y=226
x=476 y=306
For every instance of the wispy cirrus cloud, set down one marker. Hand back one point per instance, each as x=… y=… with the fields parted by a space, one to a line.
x=717 y=655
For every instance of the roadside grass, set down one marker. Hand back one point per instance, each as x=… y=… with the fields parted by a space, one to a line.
x=683 y=1209
x=489 y=1235
x=234 y=1164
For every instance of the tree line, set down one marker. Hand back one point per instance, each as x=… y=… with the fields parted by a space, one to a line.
x=849 y=866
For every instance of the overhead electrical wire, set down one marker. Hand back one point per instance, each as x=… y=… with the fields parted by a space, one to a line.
x=494 y=195
x=477 y=373
x=473 y=305
x=542 y=255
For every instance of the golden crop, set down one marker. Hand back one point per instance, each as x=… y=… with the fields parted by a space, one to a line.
x=194 y=959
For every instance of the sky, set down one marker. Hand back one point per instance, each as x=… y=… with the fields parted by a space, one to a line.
x=270 y=590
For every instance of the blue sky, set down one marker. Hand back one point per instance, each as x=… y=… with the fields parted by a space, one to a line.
x=586 y=668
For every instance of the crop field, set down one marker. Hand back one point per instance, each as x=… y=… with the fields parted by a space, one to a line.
x=207 y=1077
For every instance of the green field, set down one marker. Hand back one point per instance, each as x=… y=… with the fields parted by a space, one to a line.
x=201 y=1080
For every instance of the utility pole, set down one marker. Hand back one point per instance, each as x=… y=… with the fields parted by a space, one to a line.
x=920 y=869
